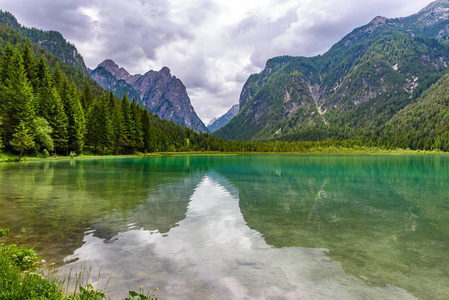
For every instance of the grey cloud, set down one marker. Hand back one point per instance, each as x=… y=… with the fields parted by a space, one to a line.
x=134 y=34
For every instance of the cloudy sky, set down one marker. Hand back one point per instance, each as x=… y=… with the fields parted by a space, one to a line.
x=211 y=45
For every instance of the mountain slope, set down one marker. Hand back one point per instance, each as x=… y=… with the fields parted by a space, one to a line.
x=351 y=90
x=421 y=125
x=216 y=124
x=160 y=92
x=52 y=41
x=118 y=86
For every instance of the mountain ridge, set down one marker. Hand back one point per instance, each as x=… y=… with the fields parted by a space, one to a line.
x=160 y=92
x=349 y=91
x=51 y=40
x=217 y=123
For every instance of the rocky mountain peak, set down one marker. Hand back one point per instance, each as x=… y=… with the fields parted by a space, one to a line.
x=160 y=92
x=118 y=72
x=379 y=20
x=435 y=6
x=165 y=71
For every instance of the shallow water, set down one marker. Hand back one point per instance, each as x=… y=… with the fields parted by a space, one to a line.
x=240 y=227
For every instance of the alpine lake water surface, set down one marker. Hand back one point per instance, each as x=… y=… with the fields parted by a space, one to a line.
x=240 y=227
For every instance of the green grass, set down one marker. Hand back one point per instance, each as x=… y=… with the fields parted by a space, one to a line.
x=20 y=280
x=357 y=150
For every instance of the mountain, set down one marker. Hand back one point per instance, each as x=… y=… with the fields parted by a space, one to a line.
x=351 y=90
x=217 y=123
x=110 y=83
x=160 y=92
x=52 y=41
x=421 y=125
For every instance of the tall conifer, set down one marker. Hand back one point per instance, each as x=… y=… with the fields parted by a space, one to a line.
x=17 y=97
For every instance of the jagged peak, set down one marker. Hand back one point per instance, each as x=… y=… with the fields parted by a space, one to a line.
x=379 y=20
x=165 y=70
x=108 y=63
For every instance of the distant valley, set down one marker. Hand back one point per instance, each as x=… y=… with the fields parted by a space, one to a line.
x=217 y=123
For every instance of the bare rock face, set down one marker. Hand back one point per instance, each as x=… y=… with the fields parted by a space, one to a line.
x=160 y=92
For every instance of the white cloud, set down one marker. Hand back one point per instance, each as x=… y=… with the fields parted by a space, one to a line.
x=211 y=45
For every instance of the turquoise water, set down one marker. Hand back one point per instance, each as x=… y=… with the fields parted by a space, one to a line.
x=240 y=227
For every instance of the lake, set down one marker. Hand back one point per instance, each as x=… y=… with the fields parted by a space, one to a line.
x=239 y=227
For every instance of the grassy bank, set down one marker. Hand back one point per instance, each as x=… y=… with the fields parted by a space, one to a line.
x=20 y=278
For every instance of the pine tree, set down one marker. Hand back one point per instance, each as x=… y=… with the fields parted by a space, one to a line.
x=42 y=69
x=118 y=127
x=136 y=133
x=148 y=132
x=30 y=66
x=1 y=128
x=17 y=98
x=87 y=98
x=50 y=107
x=22 y=139
x=127 y=121
x=76 y=120
x=58 y=79
x=99 y=129
x=5 y=61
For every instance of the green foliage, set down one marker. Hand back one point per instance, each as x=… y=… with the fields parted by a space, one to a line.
x=52 y=41
x=22 y=257
x=22 y=139
x=42 y=134
x=87 y=293
x=4 y=232
x=421 y=125
x=150 y=295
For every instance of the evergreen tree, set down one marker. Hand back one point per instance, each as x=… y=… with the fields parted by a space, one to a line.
x=30 y=66
x=127 y=121
x=17 y=98
x=148 y=132
x=22 y=139
x=99 y=129
x=87 y=98
x=5 y=61
x=42 y=69
x=1 y=127
x=118 y=126
x=58 y=79
x=136 y=133
x=50 y=107
x=76 y=120
x=42 y=134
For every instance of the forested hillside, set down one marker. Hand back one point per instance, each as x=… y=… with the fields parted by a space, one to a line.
x=351 y=91
x=422 y=125
x=52 y=41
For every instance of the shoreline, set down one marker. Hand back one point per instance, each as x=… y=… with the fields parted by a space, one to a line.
x=10 y=158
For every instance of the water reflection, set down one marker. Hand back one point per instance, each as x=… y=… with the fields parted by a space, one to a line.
x=213 y=254
x=311 y=227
